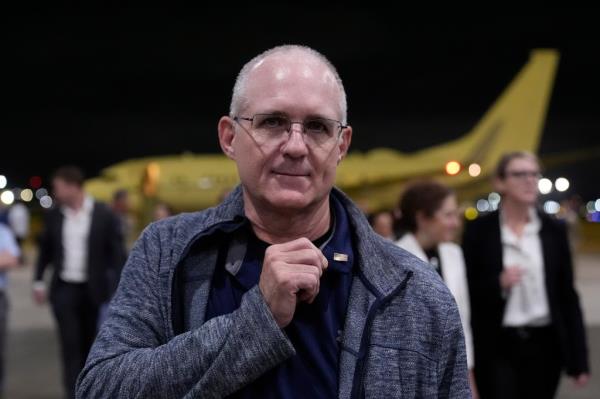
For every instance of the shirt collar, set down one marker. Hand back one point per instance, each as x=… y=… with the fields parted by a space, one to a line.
x=532 y=227
x=88 y=204
x=337 y=248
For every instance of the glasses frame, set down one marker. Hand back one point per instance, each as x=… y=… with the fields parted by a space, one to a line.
x=238 y=118
x=523 y=174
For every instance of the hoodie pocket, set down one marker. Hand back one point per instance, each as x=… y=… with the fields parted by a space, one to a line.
x=399 y=373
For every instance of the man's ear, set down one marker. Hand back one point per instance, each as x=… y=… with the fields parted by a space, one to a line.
x=344 y=142
x=226 y=136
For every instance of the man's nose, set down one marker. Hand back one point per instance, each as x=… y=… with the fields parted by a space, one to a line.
x=295 y=146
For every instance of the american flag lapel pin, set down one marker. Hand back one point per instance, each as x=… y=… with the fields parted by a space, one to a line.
x=340 y=257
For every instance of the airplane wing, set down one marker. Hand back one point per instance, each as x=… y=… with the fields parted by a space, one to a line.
x=374 y=179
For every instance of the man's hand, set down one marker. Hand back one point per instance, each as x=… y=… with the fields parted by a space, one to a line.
x=580 y=380
x=39 y=293
x=291 y=272
x=7 y=260
x=510 y=277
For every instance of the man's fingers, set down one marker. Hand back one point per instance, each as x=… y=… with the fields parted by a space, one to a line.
x=299 y=243
x=307 y=286
x=306 y=257
x=304 y=269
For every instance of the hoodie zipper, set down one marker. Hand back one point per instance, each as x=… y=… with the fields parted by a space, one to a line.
x=226 y=226
x=363 y=352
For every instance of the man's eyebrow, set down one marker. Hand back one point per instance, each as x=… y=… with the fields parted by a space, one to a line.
x=272 y=112
x=282 y=113
x=318 y=116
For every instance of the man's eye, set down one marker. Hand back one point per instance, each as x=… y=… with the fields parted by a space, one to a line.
x=316 y=126
x=272 y=122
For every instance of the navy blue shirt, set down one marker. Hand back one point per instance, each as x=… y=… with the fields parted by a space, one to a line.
x=315 y=328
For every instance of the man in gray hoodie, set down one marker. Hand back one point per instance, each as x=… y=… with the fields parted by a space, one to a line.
x=283 y=290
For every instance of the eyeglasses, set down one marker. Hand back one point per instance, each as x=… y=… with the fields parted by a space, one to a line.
x=271 y=128
x=523 y=174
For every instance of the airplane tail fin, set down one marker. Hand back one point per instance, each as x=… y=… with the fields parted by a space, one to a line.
x=514 y=122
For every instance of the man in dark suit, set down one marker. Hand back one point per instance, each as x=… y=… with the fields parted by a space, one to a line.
x=526 y=318
x=82 y=240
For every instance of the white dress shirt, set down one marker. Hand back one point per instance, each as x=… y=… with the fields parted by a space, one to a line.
x=75 y=233
x=18 y=218
x=527 y=301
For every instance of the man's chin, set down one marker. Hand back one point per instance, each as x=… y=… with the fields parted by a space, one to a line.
x=289 y=199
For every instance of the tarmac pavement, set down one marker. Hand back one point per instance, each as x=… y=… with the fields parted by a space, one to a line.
x=32 y=353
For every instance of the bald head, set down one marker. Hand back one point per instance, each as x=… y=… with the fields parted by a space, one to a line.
x=308 y=64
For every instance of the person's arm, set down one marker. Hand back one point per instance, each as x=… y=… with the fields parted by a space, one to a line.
x=45 y=251
x=484 y=286
x=452 y=365
x=7 y=260
x=45 y=256
x=577 y=364
x=9 y=250
x=116 y=246
x=132 y=357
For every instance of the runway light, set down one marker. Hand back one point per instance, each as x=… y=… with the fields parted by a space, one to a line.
x=545 y=186
x=40 y=193
x=3 y=181
x=46 y=202
x=474 y=170
x=471 y=213
x=483 y=205
x=27 y=195
x=494 y=197
x=205 y=183
x=7 y=197
x=551 y=207
x=452 y=168
x=494 y=200
x=561 y=184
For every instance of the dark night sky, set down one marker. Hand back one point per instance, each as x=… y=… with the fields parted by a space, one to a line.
x=97 y=89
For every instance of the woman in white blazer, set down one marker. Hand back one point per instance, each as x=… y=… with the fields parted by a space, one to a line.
x=429 y=215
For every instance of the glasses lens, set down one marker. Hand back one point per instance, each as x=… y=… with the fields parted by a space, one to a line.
x=269 y=127
x=320 y=131
x=272 y=127
x=522 y=174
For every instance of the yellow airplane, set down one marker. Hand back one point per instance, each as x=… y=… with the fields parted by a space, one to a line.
x=374 y=179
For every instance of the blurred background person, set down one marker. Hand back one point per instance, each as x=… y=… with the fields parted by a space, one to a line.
x=19 y=222
x=82 y=240
x=9 y=258
x=527 y=321
x=383 y=224
x=161 y=211
x=430 y=218
x=569 y=212
x=121 y=206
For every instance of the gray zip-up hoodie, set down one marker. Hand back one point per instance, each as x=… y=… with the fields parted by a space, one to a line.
x=402 y=335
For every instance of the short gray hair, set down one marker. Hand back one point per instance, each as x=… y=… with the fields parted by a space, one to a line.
x=238 y=96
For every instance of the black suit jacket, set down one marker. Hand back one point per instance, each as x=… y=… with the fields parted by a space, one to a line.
x=105 y=257
x=482 y=248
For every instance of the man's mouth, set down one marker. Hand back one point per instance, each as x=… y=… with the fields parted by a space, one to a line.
x=288 y=173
